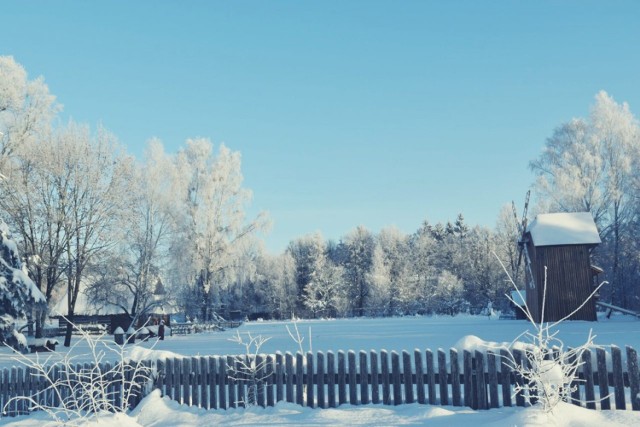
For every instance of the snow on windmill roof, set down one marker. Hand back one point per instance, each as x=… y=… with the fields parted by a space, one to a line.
x=575 y=228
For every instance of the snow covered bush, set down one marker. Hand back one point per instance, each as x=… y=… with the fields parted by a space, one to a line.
x=18 y=293
x=76 y=392
x=247 y=368
x=549 y=370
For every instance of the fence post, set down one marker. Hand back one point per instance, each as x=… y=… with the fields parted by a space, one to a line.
x=231 y=382
x=375 y=380
x=518 y=357
x=634 y=378
x=196 y=376
x=505 y=377
x=213 y=382
x=223 y=379
x=260 y=379
x=618 y=377
x=468 y=380
x=186 y=380
x=364 y=378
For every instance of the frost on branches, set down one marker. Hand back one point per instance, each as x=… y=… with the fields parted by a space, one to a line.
x=17 y=291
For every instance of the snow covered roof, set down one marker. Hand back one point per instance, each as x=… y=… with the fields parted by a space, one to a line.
x=575 y=228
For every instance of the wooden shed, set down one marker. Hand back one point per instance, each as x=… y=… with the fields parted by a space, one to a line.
x=561 y=242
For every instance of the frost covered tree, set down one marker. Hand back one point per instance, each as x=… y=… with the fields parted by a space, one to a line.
x=18 y=293
x=358 y=245
x=212 y=221
x=587 y=166
x=308 y=254
x=26 y=108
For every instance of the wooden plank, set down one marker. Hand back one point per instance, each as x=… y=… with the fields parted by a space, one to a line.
x=519 y=358
x=634 y=378
x=431 y=377
x=269 y=372
x=331 y=380
x=587 y=369
x=212 y=378
x=482 y=385
x=468 y=392
x=320 y=380
x=309 y=382
x=406 y=376
x=241 y=379
x=186 y=380
x=456 y=398
x=442 y=377
x=493 y=380
x=417 y=357
x=375 y=379
x=342 y=378
x=384 y=368
x=195 y=381
x=231 y=382
x=603 y=379
x=505 y=377
x=364 y=378
x=353 y=376
x=223 y=379
x=259 y=380
x=299 y=378
x=290 y=369
x=279 y=380
x=618 y=377
x=397 y=379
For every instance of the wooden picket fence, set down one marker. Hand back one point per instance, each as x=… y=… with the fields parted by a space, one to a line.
x=328 y=380
x=324 y=380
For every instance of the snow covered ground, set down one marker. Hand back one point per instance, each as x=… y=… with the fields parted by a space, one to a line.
x=356 y=334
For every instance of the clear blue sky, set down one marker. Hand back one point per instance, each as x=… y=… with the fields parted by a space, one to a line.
x=346 y=113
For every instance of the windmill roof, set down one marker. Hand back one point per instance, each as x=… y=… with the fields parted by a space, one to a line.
x=573 y=228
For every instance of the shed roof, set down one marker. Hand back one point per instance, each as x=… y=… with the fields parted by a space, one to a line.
x=554 y=229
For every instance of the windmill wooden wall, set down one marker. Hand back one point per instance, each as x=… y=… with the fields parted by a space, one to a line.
x=569 y=282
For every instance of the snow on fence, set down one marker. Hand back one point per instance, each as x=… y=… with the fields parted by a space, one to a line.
x=328 y=380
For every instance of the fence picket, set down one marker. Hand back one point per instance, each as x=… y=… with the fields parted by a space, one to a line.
x=634 y=378
x=331 y=380
x=212 y=361
x=455 y=377
x=468 y=392
x=196 y=380
x=505 y=377
x=259 y=380
x=364 y=378
x=269 y=372
x=481 y=396
x=431 y=377
x=384 y=368
x=309 y=382
x=320 y=380
x=223 y=379
x=442 y=377
x=342 y=385
x=375 y=380
x=493 y=380
x=395 y=372
x=289 y=370
x=279 y=380
x=353 y=391
x=587 y=370
x=603 y=379
x=406 y=374
x=417 y=357
x=231 y=382
x=519 y=358
x=575 y=384
x=299 y=378
x=618 y=378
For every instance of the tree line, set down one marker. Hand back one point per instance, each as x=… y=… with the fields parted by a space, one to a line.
x=170 y=231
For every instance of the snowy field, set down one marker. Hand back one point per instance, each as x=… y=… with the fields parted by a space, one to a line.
x=363 y=334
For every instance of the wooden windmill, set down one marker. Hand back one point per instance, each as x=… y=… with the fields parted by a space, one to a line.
x=522 y=242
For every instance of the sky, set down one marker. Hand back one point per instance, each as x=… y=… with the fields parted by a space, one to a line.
x=346 y=113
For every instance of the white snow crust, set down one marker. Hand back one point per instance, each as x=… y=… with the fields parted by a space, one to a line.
x=575 y=228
